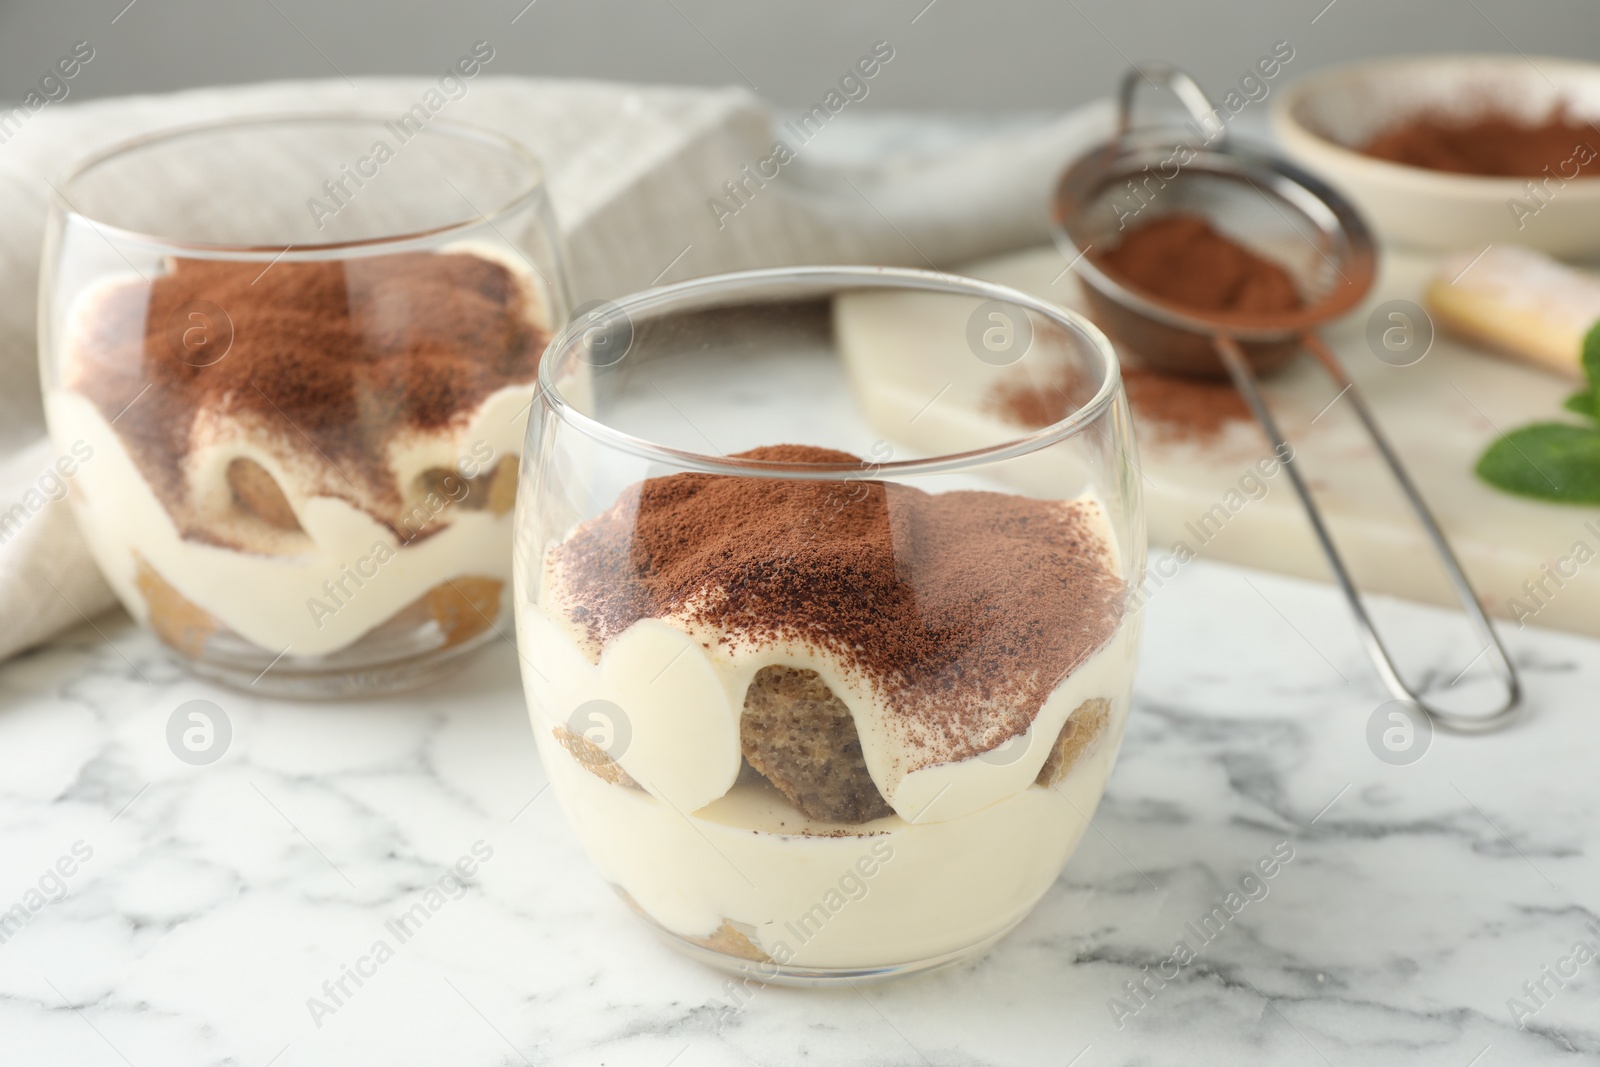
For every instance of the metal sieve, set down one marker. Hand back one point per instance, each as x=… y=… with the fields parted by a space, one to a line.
x=1291 y=217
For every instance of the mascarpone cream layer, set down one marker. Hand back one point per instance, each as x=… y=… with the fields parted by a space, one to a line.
x=267 y=598
x=888 y=891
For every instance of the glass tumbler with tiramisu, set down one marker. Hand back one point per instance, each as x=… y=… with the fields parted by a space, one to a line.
x=827 y=666
x=294 y=357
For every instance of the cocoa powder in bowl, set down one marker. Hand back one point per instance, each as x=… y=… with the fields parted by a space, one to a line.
x=1184 y=260
x=1493 y=144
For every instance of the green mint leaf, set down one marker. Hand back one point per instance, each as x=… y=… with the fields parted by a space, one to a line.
x=1591 y=357
x=1548 y=461
x=1584 y=403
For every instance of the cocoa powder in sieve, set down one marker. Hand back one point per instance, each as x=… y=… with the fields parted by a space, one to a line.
x=1184 y=259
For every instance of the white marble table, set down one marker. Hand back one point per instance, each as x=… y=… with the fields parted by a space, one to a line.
x=215 y=901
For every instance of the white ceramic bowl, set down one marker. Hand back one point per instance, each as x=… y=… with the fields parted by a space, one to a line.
x=1321 y=120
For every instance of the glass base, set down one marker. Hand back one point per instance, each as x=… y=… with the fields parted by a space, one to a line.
x=327 y=678
x=770 y=972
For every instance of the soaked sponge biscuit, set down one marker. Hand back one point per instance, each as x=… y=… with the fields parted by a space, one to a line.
x=464 y=607
x=729 y=940
x=1082 y=728
x=802 y=739
x=593 y=758
x=175 y=618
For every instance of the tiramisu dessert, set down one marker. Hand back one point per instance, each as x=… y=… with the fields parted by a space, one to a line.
x=829 y=725
x=290 y=457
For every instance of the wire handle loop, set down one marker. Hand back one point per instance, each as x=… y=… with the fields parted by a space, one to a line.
x=1233 y=358
x=1184 y=87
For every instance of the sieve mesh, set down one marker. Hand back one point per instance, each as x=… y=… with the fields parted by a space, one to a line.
x=1288 y=225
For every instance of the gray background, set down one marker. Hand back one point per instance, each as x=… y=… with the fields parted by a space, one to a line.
x=965 y=55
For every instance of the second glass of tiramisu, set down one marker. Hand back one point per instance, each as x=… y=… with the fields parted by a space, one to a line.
x=293 y=359
x=821 y=704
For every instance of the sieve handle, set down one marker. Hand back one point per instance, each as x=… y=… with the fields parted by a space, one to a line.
x=1184 y=87
x=1238 y=365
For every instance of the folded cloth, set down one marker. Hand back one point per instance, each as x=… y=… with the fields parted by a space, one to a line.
x=638 y=179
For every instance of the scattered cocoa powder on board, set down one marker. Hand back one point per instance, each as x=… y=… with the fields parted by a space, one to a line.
x=1490 y=145
x=1032 y=405
x=1033 y=402
x=1191 y=409
x=965 y=608
x=1165 y=406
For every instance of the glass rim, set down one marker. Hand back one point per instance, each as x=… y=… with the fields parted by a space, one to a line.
x=892 y=278
x=532 y=188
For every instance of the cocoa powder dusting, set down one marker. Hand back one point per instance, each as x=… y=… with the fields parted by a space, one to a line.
x=336 y=356
x=1492 y=144
x=964 y=609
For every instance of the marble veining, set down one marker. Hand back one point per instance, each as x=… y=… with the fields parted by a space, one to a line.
x=224 y=913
